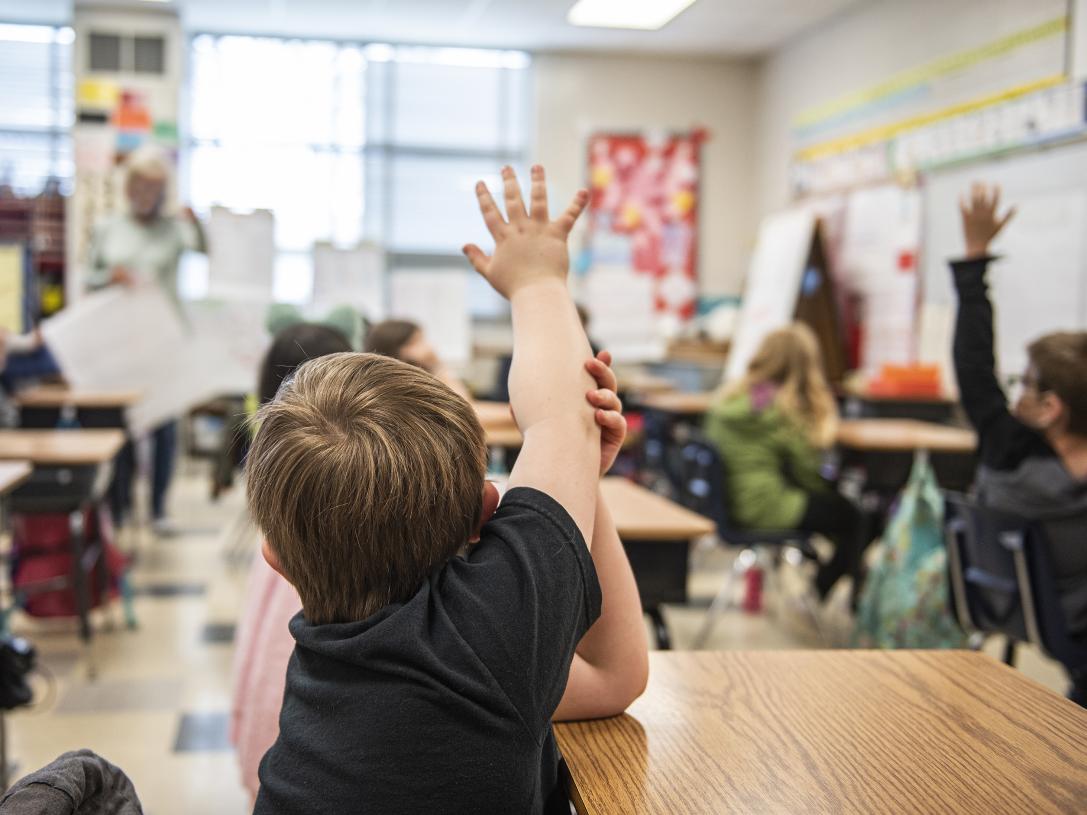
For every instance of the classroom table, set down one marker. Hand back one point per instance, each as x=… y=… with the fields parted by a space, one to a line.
x=40 y=407
x=71 y=470
x=656 y=534
x=831 y=731
x=680 y=404
x=640 y=384
x=501 y=431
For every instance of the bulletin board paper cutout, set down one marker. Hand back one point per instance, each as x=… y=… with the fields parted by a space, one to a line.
x=437 y=300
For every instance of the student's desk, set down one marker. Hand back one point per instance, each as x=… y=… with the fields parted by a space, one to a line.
x=13 y=474
x=501 y=431
x=678 y=403
x=904 y=436
x=831 y=731
x=71 y=470
x=644 y=384
x=40 y=407
x=656 y=534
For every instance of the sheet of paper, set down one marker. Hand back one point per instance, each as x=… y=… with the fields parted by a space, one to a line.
x=355 y=277
x=117 y=339
x=622 y=317
x=12 y=294
x=231 y=340
x=241 y=254
x=773 y=283
x=436 y=299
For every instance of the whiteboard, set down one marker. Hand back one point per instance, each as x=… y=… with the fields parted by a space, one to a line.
x=1040 y=283
x=773 y=283
x=354 y=277
x=241 y=254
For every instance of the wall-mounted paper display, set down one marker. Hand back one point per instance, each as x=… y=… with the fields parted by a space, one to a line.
x=241 y=254
x=437 y=300
x=354 y=277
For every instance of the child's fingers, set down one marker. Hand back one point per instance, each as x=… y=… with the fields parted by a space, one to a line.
x=479 y=260
x=611 y=422
x=605 y=357
x=604 y=376
x=605 y=399
x=515 y=206
x=565 y=222
x=1007 y=217
x=491 y=216
x=539 y=194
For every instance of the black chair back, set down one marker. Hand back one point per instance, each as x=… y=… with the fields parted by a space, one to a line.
x=703 y=483
x=1002 y=579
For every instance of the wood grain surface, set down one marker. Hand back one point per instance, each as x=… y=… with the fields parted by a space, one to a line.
x=12 y=474
x=52 y=396
x=643 y=515
x=832 y=732
x=904 y=435
x=61 y=447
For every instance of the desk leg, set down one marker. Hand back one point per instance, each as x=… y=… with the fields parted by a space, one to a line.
x=80 y=580
x=3 y=753
x=660 y=628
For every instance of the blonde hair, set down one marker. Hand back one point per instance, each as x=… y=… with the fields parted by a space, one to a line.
x=366 y=473
x=789 y=359
x=147 y=161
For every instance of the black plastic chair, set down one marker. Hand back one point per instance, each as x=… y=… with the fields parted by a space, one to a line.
x=703 y=488
x=1002 y=581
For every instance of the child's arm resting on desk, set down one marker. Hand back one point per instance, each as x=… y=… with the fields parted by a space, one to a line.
x=559 y=455
x=611 y=664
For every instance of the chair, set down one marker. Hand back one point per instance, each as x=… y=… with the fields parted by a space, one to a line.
x=1002 y=581
x=703 y=488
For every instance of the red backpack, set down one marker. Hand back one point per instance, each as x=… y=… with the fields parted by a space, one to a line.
x=42 y=552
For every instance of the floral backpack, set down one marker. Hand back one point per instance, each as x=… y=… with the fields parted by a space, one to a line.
x=905 y=602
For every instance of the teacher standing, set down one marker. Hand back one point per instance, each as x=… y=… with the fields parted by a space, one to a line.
x=143 y=247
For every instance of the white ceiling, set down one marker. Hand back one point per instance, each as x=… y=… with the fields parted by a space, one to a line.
x=709 y=27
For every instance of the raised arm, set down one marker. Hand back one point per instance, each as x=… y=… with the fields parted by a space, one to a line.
x=611 y=664
x=561 y=448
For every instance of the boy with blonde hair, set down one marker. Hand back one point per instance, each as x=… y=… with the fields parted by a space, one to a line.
x=441 y=632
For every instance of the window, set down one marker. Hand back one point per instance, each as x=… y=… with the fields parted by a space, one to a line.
x=349 y=141
x=35 y=106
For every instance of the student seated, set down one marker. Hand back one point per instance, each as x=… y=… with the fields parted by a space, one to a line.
x=406 y=341
x=263 y=644
x=1033 y=458
x=441 y=631
x=770 y=428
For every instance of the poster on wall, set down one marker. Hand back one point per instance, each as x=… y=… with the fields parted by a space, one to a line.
x=643 y=222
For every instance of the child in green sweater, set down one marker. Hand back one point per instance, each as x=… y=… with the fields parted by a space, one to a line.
x=770 y=428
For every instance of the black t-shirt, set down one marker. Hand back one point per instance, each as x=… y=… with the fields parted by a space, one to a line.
x=442 y=704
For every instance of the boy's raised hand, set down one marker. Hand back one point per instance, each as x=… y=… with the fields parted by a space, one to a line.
x=609 y=410
x=529 y=246
x=980 y=222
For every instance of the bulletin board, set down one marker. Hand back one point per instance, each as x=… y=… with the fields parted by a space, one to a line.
x=643 y=225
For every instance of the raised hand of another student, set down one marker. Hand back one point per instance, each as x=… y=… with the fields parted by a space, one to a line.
x=609 y=409
x=980 y=221
x=529 y=247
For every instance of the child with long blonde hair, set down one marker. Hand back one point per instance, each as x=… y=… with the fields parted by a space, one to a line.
x=771 y=427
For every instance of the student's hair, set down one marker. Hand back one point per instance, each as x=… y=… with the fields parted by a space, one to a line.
x=389 y=337
x=366 y=473
x=291 y=347
x=1060 y=362
x=789 y=359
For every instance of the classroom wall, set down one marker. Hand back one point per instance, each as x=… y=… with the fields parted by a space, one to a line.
x=858 y=49
x=578 y=94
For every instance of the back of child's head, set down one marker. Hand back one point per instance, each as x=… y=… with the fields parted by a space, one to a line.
x=389 y=337
x=291 y=347
x=1060 y=366
x=366 y=473
x=790 y=360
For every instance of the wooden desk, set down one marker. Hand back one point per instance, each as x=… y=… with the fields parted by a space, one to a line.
x=656 y=534
x=56 y=396
x=904 y=436
x=679 y=403
x=41 y=407
x=833 y=732
x=13 y=474
x=61 y=447
x=644 y=384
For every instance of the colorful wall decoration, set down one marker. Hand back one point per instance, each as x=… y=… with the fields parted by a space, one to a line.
x=643 y=213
